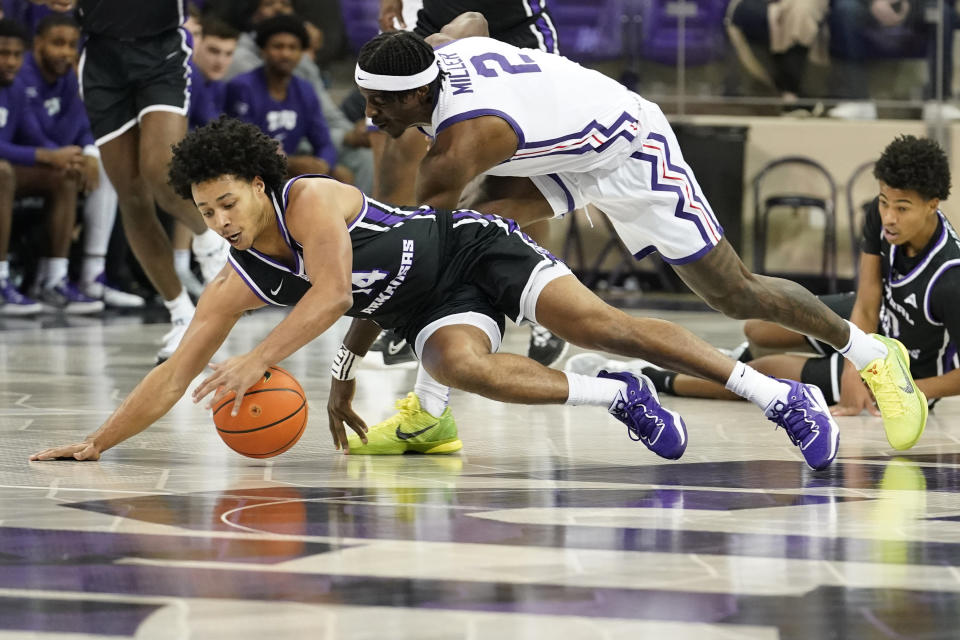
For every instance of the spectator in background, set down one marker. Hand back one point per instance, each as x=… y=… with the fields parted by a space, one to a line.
x=855 y=24
x=283 y=106
x=214 y=45
x=790 y=30
x=51 y=85
x=358 y=160
x=30 y=164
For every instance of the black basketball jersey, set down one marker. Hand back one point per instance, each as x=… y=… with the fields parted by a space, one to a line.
x=406 y=260
x=127 y=20
x=501 y=15
x=918 y=291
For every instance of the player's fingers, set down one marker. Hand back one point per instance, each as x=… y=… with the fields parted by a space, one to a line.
x=237 y=402
x=358 y=427
x=874 y=410
x=333 y=430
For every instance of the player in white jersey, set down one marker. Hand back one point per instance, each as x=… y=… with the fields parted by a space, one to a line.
x=550 y=135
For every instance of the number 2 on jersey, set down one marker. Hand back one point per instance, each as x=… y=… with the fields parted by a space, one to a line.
x=480 y=64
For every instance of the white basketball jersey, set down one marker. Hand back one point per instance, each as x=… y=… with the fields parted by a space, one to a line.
x=567 y=117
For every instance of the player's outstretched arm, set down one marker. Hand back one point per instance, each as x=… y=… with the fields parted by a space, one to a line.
x=317 y=214
x=220 y=306
x=460 y=153
x=340 y=411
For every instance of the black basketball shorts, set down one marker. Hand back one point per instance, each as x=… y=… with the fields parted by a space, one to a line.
x=121 y=80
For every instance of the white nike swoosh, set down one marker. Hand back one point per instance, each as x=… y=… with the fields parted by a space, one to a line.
x=393 y=348
x=274 y=292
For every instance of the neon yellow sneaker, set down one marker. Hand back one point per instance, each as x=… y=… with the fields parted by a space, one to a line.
x=902 y=405
x=412 y=429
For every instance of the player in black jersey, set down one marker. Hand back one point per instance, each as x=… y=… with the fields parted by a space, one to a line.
x=135 y=83
x=443 y=279
x=908 y=289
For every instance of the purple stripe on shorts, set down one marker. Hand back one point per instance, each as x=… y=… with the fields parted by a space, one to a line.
x=656 y=185
x=677 y=169
x=570 y=202
x=593 y=126
x=476 y=113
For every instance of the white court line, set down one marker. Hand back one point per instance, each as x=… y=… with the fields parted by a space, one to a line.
x=26 y=425
x=835 y=573
x=700 y=561
x=268 y=471
x=92 y=489
x=162 y=481
x=52 y=488
x=954 y=572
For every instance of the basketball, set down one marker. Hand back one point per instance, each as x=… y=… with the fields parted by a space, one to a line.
x=271 y=419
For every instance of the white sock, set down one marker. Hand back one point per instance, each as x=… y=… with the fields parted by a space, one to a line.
x=761 y=390
x=433 y=396
x=181 y=260
x=180 y=307
x=4 y=269
x=861 y=350
x=599 y=392
x=56 y=272
x=99 y=214
x=93 y=266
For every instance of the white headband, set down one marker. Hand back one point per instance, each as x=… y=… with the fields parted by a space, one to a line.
x=376 y=82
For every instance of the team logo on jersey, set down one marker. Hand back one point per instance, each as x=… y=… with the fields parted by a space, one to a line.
x=363 y=279
x=911 y=300
x=52 y=105
x=286 y=119
x=406 y=261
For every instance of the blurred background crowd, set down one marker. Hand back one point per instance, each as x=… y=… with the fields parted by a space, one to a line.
x=61 y=246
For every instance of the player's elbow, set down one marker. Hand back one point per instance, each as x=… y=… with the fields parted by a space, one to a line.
x=469 y=23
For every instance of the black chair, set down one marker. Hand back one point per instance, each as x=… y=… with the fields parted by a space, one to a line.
x=796 y=201
x=856 y=222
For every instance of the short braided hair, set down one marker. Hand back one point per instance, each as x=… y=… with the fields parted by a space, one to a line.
x=915 y=164
x=224 y=147
x=398 y=53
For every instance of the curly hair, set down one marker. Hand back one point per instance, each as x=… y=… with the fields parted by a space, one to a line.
x=226 y=146
x=915 y=164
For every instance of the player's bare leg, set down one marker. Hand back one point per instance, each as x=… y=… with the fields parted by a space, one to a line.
x=147 y=237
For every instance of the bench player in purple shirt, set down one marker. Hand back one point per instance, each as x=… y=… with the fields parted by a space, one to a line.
x=31 y=164
x=283 y=106
x=549 y=135
x=53 y=89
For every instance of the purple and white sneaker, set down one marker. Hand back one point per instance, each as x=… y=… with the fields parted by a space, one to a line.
x=808 y=423
x=14 y=303
x=67 y=297
x=662 y=430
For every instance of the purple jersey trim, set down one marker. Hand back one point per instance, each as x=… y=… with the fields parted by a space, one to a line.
x=643 y=253
x=941 y=241
x=441 y=46
x=360 y=214
x=476 y=113
x=249 y=282
x=939 y=272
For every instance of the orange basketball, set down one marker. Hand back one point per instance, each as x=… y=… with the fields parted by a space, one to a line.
x=272 y=416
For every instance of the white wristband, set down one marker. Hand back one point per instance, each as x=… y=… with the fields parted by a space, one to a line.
x=344 y=364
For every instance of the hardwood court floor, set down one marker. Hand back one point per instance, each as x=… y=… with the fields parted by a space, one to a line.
x=550 y=524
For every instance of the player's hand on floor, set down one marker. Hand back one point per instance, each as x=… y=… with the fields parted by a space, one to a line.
x=340 y=411
x=854 y=395
x=234 y=375
x=79 y=451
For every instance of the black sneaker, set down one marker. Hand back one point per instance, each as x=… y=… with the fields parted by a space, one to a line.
x=545 y=347
x=390 y=350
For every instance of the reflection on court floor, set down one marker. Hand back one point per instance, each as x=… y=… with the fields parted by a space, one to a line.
x=550 y=523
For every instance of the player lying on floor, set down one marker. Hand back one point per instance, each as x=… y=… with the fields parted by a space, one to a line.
x=444 y=280
x=909 y=289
